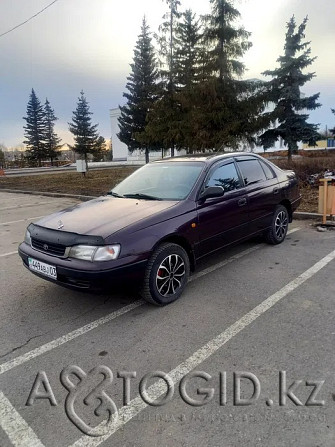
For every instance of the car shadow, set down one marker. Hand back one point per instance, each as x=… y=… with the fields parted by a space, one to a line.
x=225 y=253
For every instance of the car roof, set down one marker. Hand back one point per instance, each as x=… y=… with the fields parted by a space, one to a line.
x=205 y=157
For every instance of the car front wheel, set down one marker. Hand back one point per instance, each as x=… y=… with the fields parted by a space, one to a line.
x=166 y=274
x=279 y=226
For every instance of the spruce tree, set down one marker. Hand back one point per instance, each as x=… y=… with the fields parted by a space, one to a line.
x=188 y=49
x=224 y=114
x=142 y=93
x=100 y=150
x=51 y=138
x=188 y=74
x=226 y=43
x=168 y=122
x=288 y=115
x=35 y=129
x=167 y=41
x=84 y=132
x=164 y=123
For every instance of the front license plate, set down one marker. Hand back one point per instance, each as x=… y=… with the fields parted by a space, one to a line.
x=42 y=268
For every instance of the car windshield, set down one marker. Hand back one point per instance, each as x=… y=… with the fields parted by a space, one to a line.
x=160 y=181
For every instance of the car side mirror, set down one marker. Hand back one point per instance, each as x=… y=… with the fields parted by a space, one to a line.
x=211 y=192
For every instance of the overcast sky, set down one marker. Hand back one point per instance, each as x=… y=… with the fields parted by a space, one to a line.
x=88 y=44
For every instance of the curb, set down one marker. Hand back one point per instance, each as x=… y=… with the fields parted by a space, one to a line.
x=299 y=215
x=35 y=171
x=48 y=194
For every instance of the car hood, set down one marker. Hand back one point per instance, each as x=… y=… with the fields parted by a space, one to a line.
x=103 y=216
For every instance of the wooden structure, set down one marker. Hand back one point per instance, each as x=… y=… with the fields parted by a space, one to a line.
x=327 y=198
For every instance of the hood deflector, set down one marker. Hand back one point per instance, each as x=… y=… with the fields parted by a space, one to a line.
x=63 y=237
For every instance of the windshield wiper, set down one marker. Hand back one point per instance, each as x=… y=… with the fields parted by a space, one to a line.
x=141 y=196
x=114 y=194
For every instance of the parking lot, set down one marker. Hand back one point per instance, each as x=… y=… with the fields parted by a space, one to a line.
x=256 y=324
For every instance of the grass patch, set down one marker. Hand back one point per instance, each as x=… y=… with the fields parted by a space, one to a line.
x=95 y=183
x=304 y=167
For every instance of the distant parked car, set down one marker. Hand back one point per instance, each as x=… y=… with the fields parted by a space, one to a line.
x=157 y=223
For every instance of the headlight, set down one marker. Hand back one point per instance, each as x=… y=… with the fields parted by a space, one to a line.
x=85 y=252
x=27 y=238
x=92 y=253
x=107 y=253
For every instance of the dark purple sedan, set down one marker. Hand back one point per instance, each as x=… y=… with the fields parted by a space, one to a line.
x=156 y=224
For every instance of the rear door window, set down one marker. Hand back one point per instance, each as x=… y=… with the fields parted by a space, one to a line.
x=252 y=171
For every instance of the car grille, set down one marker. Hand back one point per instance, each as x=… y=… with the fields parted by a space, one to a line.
x=48 y=248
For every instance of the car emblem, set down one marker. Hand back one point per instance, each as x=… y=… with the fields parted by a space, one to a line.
x=60 y=225
x=45 y=247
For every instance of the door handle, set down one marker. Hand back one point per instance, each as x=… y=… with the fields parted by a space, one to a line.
x=275 y=190
x=242 y=202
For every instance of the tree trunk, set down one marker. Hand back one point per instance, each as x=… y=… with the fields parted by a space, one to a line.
x=171 y=49
x=146 y=155
x=86 y=164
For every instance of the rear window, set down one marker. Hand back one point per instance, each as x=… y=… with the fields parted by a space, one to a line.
x=268 y=171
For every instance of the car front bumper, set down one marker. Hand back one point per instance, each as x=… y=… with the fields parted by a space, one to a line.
x=78 y=274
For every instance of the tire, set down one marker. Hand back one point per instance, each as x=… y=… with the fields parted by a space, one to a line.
x=277 y=232
x=166 y=275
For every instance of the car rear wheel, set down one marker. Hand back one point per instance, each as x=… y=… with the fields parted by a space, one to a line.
x=166 y=274
x=279 y=226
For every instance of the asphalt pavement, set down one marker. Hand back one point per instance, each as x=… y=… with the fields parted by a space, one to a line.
x=244 y=358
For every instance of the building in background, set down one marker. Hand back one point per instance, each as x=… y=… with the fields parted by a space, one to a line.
x=120 y=150
x=328 y=143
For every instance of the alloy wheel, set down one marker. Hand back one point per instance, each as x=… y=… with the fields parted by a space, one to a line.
x=170 y=275
x=281 y=224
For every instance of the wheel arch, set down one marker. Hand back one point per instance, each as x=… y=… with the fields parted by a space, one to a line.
x=183 y=242
x=287 y=204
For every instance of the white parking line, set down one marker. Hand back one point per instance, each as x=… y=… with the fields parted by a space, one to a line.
x=158 y=389
x=68 y=337
x=293 y=230
x=21 y=220
x=9 y=254
x=15 y=427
